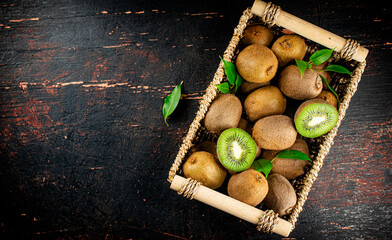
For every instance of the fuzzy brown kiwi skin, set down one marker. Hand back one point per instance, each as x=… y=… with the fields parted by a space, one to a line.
x=327 y=77
x=249 y=186
x=224 y=112
x=257 y=33
x=289 y=47
x=256 y=63
x=207 y=146
x=203 y=167
x=243 y=124
x=329 y=97
x=276 y=132
x=289 y=168
x=264 y=102
x=281 y=196
x=307 y=103
x=248 y=87
x=319 y=69
x=295 y=87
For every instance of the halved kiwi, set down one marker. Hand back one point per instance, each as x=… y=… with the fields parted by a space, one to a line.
x=236 y=149
x=315 y=117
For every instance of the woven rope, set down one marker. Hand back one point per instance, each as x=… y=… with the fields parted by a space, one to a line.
x=189 y=188
x=267 y=221
x=349 y=49
x=270 y=14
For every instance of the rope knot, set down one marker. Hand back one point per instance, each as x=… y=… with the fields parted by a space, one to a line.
x=270 y=14
x=189 y=188
x=267 y=221
x=349 y=49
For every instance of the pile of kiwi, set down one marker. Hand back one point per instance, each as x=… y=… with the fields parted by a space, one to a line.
x=275 y=109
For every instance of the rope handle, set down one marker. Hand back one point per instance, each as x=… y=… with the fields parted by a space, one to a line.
x=266 y=221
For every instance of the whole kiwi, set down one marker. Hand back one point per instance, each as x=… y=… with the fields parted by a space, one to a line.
x=328 y=96
x=319 y=69
x=243 y=124
x=207 y=146
x=263 y=102
x=327 y=77
x=248 y=87
x=256 y=63
x=289 y=47
x=224 y=112
x=203 y=167
x=249 y=186
x=295 y=87
x=276 y=132
x=257 y=33
x=281 y=196
x=289 y=168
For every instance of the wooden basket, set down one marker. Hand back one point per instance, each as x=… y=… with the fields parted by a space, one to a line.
x=347 y=53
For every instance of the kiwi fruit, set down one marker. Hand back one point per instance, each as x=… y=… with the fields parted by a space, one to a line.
x=319 y=67
x=248 y=87
x=276 y=132
x=236 y=149
x=203 y=167
x=315 y=117
x=207 y=146
x=289 y=168
x=224 y=112
x=256 y=63
x=289 y=47
x=243 y=124
x=257 y=33
x=295 y=87
x=327 y=77
x=329 y=97
x=263 y=102
x=249 y=186
x=281 y=196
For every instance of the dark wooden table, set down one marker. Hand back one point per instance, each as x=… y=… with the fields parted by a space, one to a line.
x=85 y=152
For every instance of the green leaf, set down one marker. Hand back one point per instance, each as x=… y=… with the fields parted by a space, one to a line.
x=263 y=165
x=337 y=68
x=170 y=103
x=293 y=154
x=331 y=89
x=302 y=65
x=224 y=87
x=238 y=82
x=229 y=71
x=320 y=56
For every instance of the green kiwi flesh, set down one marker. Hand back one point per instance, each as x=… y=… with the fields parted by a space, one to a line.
x=315 y=117
x=236 y=149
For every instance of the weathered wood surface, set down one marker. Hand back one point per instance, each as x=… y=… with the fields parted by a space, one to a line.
x=84 y=149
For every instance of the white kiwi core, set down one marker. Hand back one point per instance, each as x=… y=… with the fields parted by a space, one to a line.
x=316 y=120
x=237 y=150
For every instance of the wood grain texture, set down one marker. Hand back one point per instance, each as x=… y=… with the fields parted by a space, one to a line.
x=84 y=149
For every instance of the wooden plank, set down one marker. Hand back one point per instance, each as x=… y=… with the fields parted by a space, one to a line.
x=84 y=150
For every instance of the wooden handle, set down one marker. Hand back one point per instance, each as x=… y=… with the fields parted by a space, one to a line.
x=309 y=31
x=231 y=206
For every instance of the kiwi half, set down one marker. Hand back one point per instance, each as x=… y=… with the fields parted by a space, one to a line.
x=315 y=117
x=236 y=149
